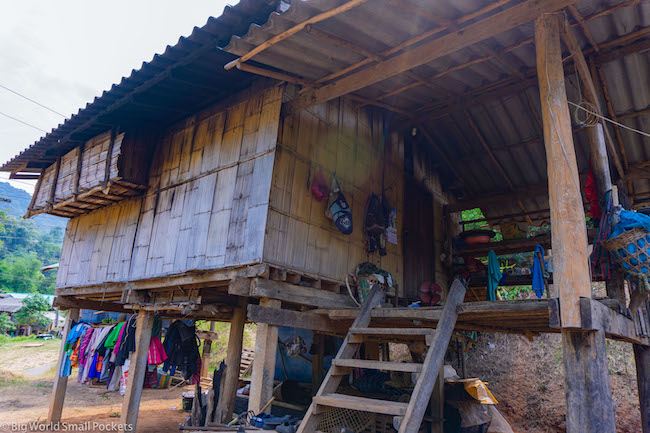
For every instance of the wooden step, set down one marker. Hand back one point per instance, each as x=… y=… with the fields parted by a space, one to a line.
x=407 y=367
x=392 y=331
x=362 y=404
x=359 y=335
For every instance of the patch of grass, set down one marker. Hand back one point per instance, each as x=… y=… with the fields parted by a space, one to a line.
x=6 y=339
x=219 y=348
x=9 y=379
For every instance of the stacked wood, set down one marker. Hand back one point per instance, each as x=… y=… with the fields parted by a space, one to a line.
x=99 y=172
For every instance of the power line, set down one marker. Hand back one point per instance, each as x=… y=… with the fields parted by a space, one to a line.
x=31 y=100
x=24 y=123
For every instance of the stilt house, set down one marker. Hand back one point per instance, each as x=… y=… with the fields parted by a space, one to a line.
x=188 y=185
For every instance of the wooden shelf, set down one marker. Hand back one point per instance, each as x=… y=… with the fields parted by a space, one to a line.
x=512 y=246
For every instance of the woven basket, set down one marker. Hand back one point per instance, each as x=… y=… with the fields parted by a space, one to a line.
x=631 y=250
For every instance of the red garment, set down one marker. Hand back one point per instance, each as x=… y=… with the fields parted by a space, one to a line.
x=156 y=353
x=592 y=195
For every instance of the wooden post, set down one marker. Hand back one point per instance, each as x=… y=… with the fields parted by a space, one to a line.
x=642 y=359
x=230 y=380
x=317 y=363
x=588 y=393
x=205 y=355
x=137 y=368
x=61 y=383
x=569 y=234
x=266 y=346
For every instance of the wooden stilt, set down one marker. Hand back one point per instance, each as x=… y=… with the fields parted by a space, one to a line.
x=137 y=368
x=266 y=346
x=61 y=383
x=317 y=362
x=205 y=355
x=230 y=380
x=642 y=359
x=588 y=393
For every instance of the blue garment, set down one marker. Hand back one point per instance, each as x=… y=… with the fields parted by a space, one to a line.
x=538 y=271
x=630 y=220
x=494 y=275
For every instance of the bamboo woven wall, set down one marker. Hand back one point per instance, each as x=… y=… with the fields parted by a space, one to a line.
x=206 y=206
x=332 y=137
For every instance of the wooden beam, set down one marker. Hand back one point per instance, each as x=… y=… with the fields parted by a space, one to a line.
x=296 y=319
x=587 y=390
x=425 y=53
x=282 y=76
x=207 y=349
x=583 y=25
x=55 y=179
x=424 y=36
x=588 y=393
x=226 y=403
x=69 y=302
x=186 y=279
x=496 y=162
x=300 y=295
x=596 y=316
x=589 y=88
x=293 y=30
x=599 y=160
x=512 y=85
x=77 y=173
x=571 y=273
x=266 y=346
x=137 y=369
x=61 y=382
x=612 y=115
x=642 y=361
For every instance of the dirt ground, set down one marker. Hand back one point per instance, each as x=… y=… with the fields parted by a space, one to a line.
x=528 y=380
x=25 y=397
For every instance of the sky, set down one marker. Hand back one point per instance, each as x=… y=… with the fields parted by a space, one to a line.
x=63 y=53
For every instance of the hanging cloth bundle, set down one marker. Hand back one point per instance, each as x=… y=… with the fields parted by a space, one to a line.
x=494 y=275
x=539 y=271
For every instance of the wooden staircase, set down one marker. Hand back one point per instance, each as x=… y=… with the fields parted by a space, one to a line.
x=412 y=412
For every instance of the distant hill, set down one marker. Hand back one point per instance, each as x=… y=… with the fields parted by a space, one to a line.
x=20 y=200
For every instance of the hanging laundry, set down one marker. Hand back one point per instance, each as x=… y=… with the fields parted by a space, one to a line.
x=182 y=348
x=539 y=268
x=156 y=353
x=494 y=275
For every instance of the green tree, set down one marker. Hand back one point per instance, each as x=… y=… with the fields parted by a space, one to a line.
x=32 y=312
x=22 y=274
x=6 y=325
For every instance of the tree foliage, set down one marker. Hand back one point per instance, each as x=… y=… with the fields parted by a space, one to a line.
x=24 y=249
x=32 y=312
x=6 y=325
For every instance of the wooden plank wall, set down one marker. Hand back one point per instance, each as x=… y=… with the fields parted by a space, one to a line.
x=93 y=169
x=206 y=206
x=332 y=137
x=425 y=173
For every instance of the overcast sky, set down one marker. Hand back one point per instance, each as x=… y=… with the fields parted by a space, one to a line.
x=63 y=53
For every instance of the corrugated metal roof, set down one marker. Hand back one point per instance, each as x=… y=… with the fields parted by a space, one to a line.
x=174 y=84
x=507 y=123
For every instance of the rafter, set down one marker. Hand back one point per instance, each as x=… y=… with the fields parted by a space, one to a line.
x=583 y=25
x=484 y=29
x=496 y=162
x=293 y=30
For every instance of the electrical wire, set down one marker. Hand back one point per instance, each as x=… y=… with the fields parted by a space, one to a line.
x=31 y=100
x=646 y=134
x=24 y=123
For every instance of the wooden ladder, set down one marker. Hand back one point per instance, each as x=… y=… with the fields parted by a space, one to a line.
x=412 y=412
